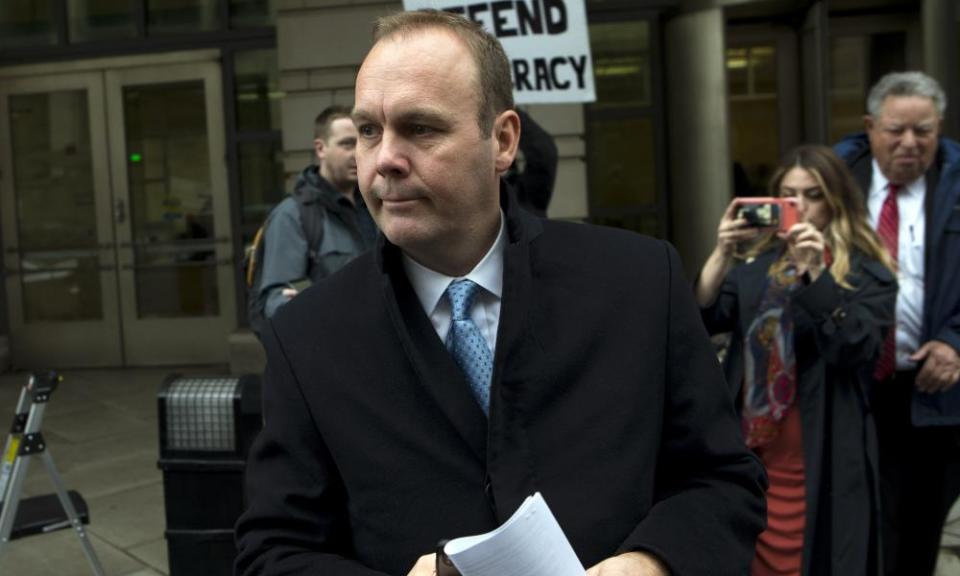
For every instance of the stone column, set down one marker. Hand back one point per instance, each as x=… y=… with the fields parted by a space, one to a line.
x=700 y=170
x=940 y=56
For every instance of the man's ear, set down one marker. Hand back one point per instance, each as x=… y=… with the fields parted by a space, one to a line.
x=318 y=149
x=868 y=122
x=506 y=136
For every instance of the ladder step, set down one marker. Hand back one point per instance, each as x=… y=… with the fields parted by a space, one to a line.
x=43 y=514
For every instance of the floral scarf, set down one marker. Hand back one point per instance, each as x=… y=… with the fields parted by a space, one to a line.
x=770 y=374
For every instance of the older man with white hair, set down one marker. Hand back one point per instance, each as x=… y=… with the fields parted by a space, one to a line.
x=910 y=175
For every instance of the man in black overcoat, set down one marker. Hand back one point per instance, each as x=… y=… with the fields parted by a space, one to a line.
x=481 y=354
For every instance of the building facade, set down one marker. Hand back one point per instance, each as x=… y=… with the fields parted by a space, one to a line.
x=142 y=142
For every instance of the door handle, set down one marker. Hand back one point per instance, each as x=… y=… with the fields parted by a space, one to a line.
x=119 y=211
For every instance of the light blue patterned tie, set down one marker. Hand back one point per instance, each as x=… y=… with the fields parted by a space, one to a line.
x=467 y=344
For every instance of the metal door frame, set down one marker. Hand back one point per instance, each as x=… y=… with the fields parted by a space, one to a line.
x=188 y=340
x=183 y=341
x=76 y=343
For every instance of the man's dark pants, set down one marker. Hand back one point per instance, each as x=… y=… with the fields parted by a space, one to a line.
x=919 y=479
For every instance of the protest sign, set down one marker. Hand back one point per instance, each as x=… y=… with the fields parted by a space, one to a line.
x=546 y=41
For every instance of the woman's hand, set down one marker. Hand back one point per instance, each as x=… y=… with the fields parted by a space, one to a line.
x=806 y=246
x=731 y=231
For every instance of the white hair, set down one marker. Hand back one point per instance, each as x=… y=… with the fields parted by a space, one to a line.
x=906 y=84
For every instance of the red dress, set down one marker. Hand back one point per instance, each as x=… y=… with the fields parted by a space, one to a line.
x=780 y=547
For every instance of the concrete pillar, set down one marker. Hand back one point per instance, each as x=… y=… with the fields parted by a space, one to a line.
x=698 y=127
x=940 y=56
x=565 y=122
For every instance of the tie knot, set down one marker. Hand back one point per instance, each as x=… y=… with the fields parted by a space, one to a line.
x=461 y=294
x=893 y=189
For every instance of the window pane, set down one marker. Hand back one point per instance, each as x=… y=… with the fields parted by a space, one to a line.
x=754 y=141
x=763 y=64
x=621 y=163
x=752 y=70
x=257 y=81
x=620 y=130
x=26 y=23
x=170 y=200
x=56 y=216
x=621 y=63
x=261 y=183
x=856 y=63
x=848 y=91
x=175 y=16
x=754 y=116
x=252 y=13
x=100 y=19
x=738 y=69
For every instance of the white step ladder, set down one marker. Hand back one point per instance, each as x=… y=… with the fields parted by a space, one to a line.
x=25 y=442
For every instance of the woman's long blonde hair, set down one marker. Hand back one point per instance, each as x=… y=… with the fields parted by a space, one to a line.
x=848 y=229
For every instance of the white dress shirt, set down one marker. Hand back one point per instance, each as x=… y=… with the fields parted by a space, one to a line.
x=488 y=274
x=910 y=263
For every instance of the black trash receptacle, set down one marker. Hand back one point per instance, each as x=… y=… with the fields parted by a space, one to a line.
x=207 y=425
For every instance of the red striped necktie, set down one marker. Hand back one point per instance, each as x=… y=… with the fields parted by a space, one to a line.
x=888 y=229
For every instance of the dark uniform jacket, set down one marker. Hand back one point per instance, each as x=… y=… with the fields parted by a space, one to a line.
x=606 y=397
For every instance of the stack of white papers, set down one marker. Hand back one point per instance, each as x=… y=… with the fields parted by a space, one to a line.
x=529 y=543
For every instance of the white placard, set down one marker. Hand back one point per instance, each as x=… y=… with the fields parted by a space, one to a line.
x=546 y=41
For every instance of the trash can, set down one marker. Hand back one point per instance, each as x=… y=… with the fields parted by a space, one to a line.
x=207 y=424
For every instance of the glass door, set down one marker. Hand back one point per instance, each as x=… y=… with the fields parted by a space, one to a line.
x=174 y=247
x=59 y=259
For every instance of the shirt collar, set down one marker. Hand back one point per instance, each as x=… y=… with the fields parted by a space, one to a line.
x=488 y=274
x=879 y=183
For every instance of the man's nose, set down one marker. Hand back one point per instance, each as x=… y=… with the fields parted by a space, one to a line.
x=909 y=138
x=392 y=161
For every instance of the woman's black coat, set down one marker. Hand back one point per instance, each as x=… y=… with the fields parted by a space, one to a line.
x=838 y=334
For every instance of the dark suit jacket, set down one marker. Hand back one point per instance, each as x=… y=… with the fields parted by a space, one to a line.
x=837 y=338
x=606 y=397
x=941 y=280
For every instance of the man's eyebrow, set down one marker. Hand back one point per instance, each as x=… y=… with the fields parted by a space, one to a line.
x=422 y=116
x=359 y=116
x=417 y=115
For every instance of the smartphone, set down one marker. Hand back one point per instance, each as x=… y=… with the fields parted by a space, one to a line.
x=768 y=212
x=444 y=566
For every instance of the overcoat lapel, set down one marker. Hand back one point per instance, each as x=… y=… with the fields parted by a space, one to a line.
x=513 y=336
x=433 y=364
x=435 y=368
x=517 y=372
x=946 y=201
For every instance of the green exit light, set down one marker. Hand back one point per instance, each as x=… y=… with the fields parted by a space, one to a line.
x=135 y=158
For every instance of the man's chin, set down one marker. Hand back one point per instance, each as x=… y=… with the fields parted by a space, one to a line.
x=904 y=175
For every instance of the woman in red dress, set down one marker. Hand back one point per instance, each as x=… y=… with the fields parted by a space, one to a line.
x=808 y=309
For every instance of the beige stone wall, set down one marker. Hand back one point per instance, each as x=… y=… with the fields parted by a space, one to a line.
x=320 y=45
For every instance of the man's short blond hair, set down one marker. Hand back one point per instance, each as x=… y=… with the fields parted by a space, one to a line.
x=495 y=88
x=323 y=121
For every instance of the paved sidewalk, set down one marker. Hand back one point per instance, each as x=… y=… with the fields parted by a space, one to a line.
x=101 y=429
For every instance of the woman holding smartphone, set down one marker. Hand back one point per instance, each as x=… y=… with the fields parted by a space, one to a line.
x=808 y=309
